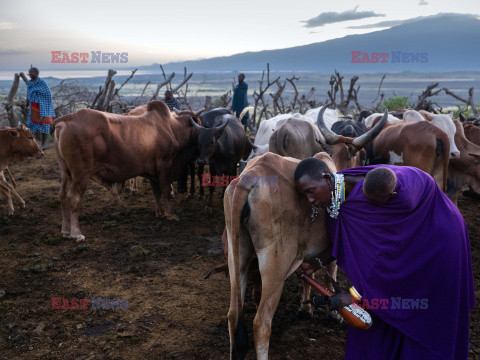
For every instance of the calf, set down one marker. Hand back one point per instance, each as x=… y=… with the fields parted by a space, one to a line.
x=16 y=144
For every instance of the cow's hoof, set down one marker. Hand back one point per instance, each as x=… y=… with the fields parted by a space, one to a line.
x=66 y=234
x=304 y=314
x=22 y=205
x=77 y=237
x=172 y=217
x=10 y=213
x=190 y=196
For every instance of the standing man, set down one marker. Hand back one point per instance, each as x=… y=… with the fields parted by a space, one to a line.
x=240 y=99
x=41 y=108
x=171 y=101
x=404 y=246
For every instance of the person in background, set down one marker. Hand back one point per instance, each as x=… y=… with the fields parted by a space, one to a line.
x=240 y=99
x=41 y=110
x=171 y=101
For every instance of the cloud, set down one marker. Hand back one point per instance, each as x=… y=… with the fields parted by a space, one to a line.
x=4 y=52
x=5 y=25
x=392 y=23
x=423 y=2
x=335 y=17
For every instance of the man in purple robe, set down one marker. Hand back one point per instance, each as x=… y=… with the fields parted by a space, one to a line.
x=405 y=247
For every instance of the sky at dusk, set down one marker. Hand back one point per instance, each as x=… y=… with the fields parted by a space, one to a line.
x=165 y=31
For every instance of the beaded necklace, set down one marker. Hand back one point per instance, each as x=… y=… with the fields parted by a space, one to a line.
x=338 y=196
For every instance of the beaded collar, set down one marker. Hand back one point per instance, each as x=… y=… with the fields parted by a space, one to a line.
x=338 y=196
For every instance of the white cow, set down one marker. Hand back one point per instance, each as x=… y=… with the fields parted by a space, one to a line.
x=391 y=120
x=267 y=127
x=444 y=122
x=329 y=116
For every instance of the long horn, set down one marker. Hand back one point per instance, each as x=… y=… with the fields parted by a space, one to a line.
x=328 y=134
x=178 y=112
x=371 y=134
x=254 y=147
x=199 y=112
x=222 y=127
x=198 y=127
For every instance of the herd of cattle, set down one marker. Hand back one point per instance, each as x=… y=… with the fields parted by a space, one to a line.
x=269 y=230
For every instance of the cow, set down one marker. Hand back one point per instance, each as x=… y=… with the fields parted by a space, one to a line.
x=111 y=148
x=267 y=127
x=295 y=138
x=348 y=152
x=472 y=132
x=221 y=147
x=445 y=123
x=369 y=121
x=419 y=144
x=349 y=128
x=464 y=170
x=270 y=231
x=208 y=117
x=16 y=144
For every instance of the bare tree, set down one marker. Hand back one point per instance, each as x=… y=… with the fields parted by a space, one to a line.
x=470 y=102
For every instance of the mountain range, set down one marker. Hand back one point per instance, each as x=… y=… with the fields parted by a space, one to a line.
x=438 y=43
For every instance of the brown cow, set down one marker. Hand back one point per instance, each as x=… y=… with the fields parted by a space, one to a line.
x=16 y=144
x=472 y=132
x=111 y=148
x=465 y=170
x=421 y=144
x=271 y=225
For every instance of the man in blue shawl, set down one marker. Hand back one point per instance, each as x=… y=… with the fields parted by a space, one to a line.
x=41 y=108
x=240 y=99
x=403 y=243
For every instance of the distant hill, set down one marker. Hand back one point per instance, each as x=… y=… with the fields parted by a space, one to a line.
x=444 y=42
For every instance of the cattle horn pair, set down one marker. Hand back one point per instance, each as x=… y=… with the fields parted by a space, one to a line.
x=360 y=141
x=219 y=128
x=371 y=134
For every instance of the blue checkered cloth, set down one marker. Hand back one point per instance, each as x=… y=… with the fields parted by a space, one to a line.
x=172 y=103
x=39 y=92
x=43 y=128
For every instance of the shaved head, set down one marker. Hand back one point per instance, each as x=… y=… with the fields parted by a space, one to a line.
x=379 y=185
x=312 y=167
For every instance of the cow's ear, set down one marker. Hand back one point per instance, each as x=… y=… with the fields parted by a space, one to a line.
x=451 y=115
x=13 y=133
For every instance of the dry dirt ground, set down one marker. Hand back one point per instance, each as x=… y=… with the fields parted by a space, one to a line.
x=158 y=266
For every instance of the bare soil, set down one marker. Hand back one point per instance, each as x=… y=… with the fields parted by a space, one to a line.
x=157 y=265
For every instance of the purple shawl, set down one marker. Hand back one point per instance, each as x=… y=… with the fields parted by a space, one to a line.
x=413 y=248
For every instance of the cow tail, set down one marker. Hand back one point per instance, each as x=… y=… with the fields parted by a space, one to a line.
x=279 y=143
x=234 y=201
x=444 y=144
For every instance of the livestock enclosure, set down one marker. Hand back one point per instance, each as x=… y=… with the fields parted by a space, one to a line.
x=157 y=266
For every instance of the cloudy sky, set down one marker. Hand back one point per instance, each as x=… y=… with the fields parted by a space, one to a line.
x=163 y=31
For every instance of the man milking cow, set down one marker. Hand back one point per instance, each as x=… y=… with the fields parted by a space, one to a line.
x=401 y=243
